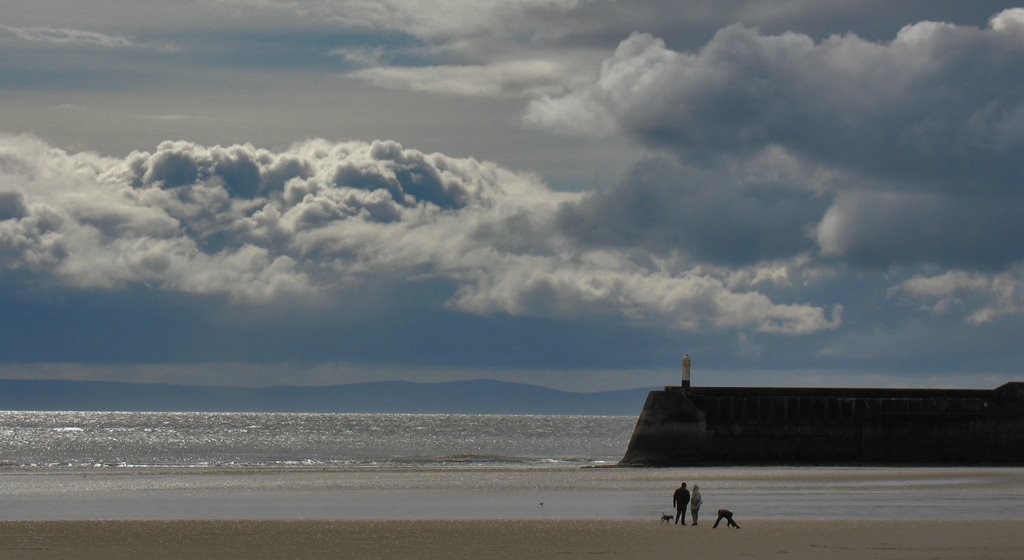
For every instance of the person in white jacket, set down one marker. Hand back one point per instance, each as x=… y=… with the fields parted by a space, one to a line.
x=695 y=501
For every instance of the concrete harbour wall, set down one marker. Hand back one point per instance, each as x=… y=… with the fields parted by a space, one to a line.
x=719 y=425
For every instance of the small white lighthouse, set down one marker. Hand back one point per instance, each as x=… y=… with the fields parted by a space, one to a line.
x=686 y=371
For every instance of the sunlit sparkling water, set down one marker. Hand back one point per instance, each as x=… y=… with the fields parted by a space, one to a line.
x=191 y=439
x=72 y=465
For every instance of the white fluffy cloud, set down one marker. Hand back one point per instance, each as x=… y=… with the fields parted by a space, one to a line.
x=438 y=19
x=984 y=297
x=64 y=36
x=516 y=78
x=327 y=218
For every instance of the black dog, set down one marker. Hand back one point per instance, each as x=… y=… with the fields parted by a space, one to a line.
x=666 y=518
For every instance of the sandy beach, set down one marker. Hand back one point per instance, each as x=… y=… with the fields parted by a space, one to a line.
x=512 y=539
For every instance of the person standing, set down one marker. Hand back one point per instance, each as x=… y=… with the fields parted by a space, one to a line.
x=695 y=502
x=680 y=498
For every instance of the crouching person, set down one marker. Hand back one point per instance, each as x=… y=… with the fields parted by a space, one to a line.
x=727 y=516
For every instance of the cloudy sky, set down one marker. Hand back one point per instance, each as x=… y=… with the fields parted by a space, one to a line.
x=570 y=193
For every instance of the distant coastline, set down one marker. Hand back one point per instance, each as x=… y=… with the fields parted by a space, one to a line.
x=466 y=397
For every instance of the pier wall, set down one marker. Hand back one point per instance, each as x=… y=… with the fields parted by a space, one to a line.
x=712 y=425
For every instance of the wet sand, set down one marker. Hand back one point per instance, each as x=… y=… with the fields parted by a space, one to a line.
x=511 y=539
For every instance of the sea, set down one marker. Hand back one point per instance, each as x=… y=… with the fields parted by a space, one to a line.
x=191 y=465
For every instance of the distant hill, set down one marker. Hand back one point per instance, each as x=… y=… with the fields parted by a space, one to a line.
x=468 y=397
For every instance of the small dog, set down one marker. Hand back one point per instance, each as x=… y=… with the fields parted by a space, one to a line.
x=666 y=518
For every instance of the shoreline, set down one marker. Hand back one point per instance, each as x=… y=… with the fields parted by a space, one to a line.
x=507 y=539
x=472 y=493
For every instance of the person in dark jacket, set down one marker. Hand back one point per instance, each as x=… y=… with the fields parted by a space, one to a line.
x=680 y=500
x=727 y=516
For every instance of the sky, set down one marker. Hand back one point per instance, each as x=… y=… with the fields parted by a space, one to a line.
x=569 y=193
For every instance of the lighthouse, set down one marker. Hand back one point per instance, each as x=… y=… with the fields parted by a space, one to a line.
x=686 y=371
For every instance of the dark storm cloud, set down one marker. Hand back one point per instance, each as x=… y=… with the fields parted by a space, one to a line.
x=12 y=206
x=935 y=105
x=934 y=118
x=882 y=229
x=667 y=208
